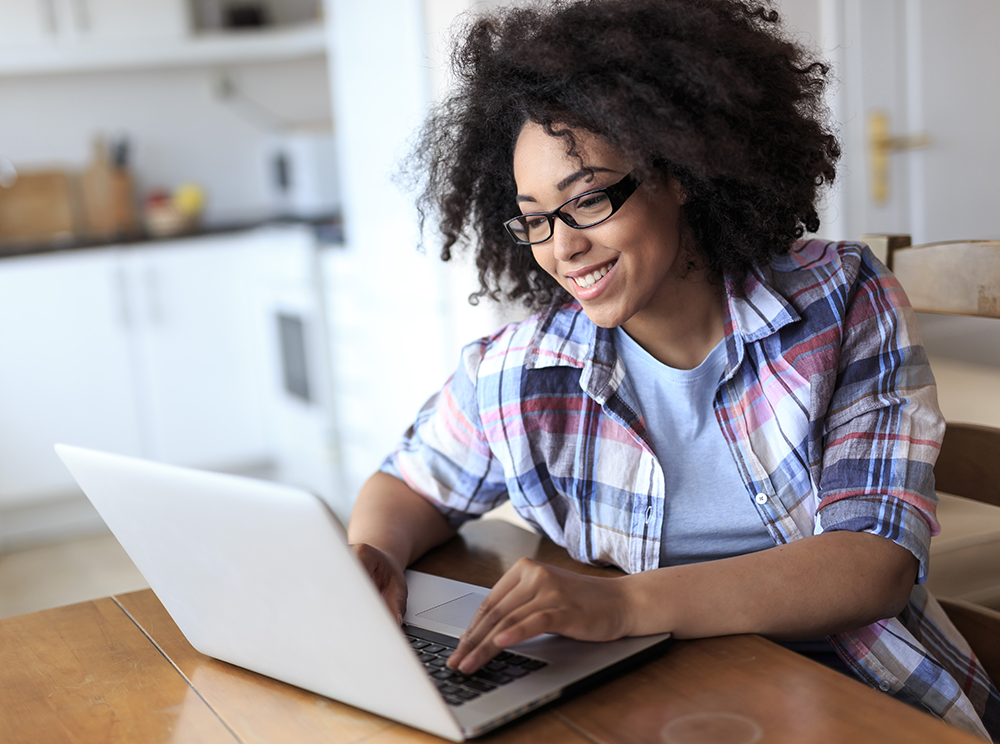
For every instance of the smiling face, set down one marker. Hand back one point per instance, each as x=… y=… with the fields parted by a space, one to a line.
x=625 y=271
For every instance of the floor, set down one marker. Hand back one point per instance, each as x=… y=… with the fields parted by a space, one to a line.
x=75 y=570
x=42 y=576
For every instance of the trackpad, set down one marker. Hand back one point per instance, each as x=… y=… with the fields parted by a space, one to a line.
x=457 y=613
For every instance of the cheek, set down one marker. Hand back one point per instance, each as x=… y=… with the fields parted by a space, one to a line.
x=545 y=260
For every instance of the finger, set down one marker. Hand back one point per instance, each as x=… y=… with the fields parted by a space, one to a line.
x=515 y=587
x=386 y=577
x=504 y=599
x=527 y=622
x=480 y=649
x=396 y=597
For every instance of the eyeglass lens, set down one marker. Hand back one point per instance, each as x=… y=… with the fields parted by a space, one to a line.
x=581 y=211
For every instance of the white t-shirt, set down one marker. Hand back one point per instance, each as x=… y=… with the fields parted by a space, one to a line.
x=708 y=512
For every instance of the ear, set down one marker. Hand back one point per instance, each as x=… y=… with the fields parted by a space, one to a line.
x=678 y=191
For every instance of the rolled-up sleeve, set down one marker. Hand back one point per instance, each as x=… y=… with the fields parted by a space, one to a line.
x=444 y=455
x=883 y=427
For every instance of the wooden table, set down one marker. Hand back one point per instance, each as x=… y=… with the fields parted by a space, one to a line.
x=118 y=670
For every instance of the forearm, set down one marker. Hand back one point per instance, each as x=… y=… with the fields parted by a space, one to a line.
x=394 y=518
x=813 y=587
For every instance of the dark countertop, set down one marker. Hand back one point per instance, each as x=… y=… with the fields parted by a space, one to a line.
x=329 y=232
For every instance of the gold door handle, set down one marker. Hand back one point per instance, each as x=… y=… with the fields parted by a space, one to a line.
x=881 y=144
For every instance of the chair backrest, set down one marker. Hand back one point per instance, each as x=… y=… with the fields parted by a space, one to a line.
x=969 y=466
x=980 y=626
x=969 y=463
x=960 y=277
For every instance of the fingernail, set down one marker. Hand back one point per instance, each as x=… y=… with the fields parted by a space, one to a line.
x=399 y=618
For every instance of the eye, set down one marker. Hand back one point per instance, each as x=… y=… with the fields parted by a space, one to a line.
x=592 y=202
x=534 y=221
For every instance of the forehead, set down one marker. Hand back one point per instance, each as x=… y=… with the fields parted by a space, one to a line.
x=541 y=159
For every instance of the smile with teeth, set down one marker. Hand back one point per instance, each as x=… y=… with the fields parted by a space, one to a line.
x=589 y=280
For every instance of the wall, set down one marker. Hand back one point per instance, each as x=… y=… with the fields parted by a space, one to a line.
x=180 y=129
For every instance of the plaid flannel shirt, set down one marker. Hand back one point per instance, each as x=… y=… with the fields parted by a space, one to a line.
x=827 y=403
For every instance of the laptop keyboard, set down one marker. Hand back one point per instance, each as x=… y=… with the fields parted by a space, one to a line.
x=433 y=649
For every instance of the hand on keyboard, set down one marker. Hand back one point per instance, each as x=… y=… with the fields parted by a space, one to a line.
x=387 y=575
x=533 y=598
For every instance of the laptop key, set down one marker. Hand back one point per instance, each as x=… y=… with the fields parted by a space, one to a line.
x=494 y=677
x=532 y=664
x=478 y=685
x=516 y=672
x=516 y=660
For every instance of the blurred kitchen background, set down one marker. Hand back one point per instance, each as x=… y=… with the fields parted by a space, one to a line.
x=205 y=258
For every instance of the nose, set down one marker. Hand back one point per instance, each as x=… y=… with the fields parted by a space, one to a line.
x=568 y=242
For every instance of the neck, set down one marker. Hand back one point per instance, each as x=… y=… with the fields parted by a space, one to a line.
x=683 y=324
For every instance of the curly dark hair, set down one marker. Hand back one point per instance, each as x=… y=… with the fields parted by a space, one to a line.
x=707 y=92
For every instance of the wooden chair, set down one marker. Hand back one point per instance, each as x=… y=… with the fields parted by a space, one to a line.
x=954 y=278
x=981 y=628
x=969 y=463
x=969 y=468
x=961 y=278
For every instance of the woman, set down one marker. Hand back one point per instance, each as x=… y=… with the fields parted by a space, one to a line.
x=744 y=423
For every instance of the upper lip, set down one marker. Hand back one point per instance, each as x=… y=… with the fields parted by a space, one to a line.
x=590 y=269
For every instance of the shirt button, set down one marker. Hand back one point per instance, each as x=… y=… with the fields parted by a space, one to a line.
x=884 y=685
x=761 y=498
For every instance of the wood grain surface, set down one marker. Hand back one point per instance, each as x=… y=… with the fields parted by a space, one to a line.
x=86 y=673
x=118 y=670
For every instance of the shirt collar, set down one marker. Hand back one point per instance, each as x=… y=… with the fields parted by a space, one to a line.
x=565 y=337
x=761 y=312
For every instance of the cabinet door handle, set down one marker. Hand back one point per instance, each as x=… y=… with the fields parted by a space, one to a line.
x=81 y=15
x=153 y=297
x=124 y=307
x=49 y=11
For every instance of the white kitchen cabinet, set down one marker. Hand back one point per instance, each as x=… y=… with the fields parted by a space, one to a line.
x=26 y=23
x=46 y=23
x=96 y=21
x=200 y=351
x=66 y=367
x=47 y=37
x=156 y=350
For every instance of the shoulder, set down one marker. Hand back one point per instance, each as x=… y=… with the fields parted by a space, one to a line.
x=827 y=262
x=825 y=272
x=559 y=336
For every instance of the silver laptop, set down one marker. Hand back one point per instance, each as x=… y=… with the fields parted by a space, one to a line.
x=260 y=575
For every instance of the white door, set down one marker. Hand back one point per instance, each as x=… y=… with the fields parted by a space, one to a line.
x=930 y=66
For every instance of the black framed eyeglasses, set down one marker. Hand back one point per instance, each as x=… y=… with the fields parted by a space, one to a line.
x=585 y=210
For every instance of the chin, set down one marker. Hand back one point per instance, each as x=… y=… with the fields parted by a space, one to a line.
x=605 y=320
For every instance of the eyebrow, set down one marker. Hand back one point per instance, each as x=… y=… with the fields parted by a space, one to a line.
x=568 y=181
